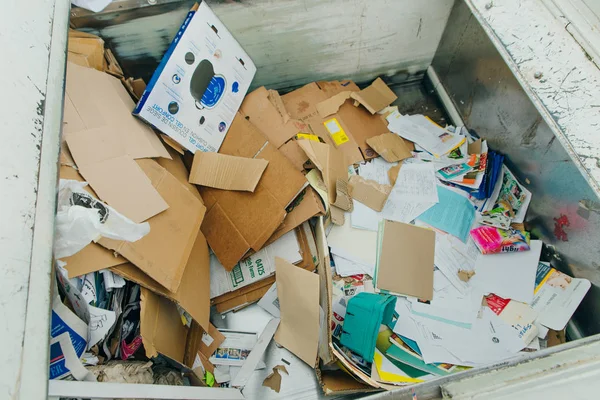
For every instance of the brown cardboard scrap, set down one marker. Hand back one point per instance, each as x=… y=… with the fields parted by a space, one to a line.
x=307 y=205
x=332 y=104
x=271 y=119
x=330 y=162
x=343 y=199
x=86 y=50
x=245 y=295
x=390 y=146
x=114 y=175
x=555 y=338
x=226 y=172
x=475 y=147
x=114 y=68
x=298 y=293
x=393 y=173
x=273 y=381
x=98 y=100
x=302 y=103
x=406 y=260
x=465 y=275
x=163 y=333
x=370 y=193
x=91 y=258
x=376 y=96
x=193 y=294
x=163 y=253
x=239 y=221
x=244 y=300
x=295 y=154
x=337 y=215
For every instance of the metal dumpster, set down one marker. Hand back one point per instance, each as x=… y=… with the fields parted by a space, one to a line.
x=511 y=71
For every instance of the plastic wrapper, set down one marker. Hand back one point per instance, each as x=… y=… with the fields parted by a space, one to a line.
x=81 y=219
x=490 y=240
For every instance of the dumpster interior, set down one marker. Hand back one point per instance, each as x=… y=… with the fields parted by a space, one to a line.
x=463 y=82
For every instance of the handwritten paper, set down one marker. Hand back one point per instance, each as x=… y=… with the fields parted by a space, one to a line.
x=414 y=192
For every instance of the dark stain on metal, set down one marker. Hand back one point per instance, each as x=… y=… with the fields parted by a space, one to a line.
x=559 y=224
x=529 y=135
x=420 y=25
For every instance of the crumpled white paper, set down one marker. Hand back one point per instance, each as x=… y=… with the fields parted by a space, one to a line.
x=92 y=5
x=81 y=219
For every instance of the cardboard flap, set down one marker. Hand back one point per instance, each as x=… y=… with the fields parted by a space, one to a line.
x=406 y=260
x=325 y=291
x=193 y=294
x=163 y=253
x=302 y=103
x=390 y=146
x=330 y=162
x=101 y=101
x=160 y=327
x=292 y=151
x=264 y=111
x=298 y=293
x=372 y=194
x=277 y=102
x=202 y=341
x=177 y=168
x=226 y=172
x=332 y=104
x=376 y=96
x=91 y=258
x=115 y=176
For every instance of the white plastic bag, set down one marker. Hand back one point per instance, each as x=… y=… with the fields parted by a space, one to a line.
x=81 y=219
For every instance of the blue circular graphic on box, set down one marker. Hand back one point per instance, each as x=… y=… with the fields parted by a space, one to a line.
x=235 y=87
x=173 y=107
x=214 y=92
x=222 y=126
x=176 y=79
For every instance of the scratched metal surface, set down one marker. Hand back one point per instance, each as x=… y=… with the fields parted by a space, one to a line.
x=291 y=42
x=565 y=210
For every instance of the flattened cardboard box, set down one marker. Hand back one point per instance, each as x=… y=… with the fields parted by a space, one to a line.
x=164 y=252
x=221 y=171
x=104 y=139
x=200 y=83
x=237 y=222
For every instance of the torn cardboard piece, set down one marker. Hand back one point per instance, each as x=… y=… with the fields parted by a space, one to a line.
x=226 y=172
x=376 y=96
x=343 y=199
x=390 y=146
x=177 y=168
x=368 y=192
x=465 y=275
x=273 y=380
x=406 y=260
x=330 y=162
x=298 y=293
x=393 y=173
x=164 y=252
x=193 y=294
x=239 y=221
x=114 y=175
x=266 y=111
x=163 y=333
x=86 y=50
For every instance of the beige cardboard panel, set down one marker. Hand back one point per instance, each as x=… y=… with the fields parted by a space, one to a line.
x=102 y=101
x=393 y=173
x=277 y=102
x=194 y=291
x=333 y=104
x=91 y=258
x=302 y=103
x=298 y=292
x=376 y=96
x=122 y=184
x=161 y=327
x=390 y=146
x=226 y=172
x=368 y=192
x=406 y=260
x=268 y=118
x=292 y=151
x=164 y=252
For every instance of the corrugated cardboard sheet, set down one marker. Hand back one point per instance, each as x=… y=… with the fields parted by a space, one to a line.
x=221 y=171
x=372 y=194
x=239 y=221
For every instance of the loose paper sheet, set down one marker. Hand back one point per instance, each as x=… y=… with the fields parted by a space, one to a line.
x=508 y=275
x=453 y=214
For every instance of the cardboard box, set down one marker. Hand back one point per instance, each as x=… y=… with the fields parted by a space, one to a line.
x=328 y=107
x=237 y=222
x=200 y=83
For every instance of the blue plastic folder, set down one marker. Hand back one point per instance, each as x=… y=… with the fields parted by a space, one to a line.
x=364 y=315
x=453 y=214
